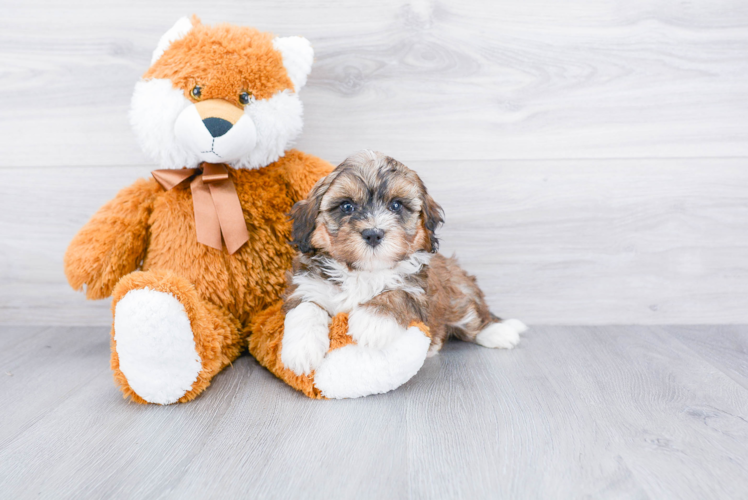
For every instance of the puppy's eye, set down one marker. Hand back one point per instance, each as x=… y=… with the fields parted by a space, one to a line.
x=246 y=97
x=347 y=207
x=395 y=206
x=196 y=92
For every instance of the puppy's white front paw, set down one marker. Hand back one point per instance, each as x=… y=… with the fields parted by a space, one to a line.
x=503 y=335
x=370 y=329
x=305 y=338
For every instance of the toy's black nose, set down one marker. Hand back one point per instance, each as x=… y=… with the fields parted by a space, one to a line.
x=372 y=237
x=217 y=126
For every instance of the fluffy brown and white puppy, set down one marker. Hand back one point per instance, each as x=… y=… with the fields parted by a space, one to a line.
x=367 y=243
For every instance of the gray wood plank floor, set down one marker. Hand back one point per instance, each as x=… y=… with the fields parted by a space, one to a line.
x=602 y=412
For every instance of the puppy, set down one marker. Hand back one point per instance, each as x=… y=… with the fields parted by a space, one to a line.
x=367 y=246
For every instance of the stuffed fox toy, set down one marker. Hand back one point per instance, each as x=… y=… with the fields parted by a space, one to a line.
x=193 y=254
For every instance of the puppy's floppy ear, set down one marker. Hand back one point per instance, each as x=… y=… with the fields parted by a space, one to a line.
x=432 y=217
x=304 y=215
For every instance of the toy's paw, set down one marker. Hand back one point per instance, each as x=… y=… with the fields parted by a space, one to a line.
x=305 y=338
x=355 y=370
x=503 y=335
x=370 y=329
x=155 y=345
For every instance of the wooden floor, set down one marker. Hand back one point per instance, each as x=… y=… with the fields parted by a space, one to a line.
x=602 y=412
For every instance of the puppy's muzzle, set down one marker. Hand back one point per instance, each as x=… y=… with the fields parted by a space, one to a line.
x=218 y=116
x=372 y=237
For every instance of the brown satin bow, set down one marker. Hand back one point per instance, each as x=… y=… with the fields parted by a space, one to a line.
x=215 y=202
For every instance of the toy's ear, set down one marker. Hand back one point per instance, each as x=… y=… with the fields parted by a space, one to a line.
x=298 y=56
x=179 y=30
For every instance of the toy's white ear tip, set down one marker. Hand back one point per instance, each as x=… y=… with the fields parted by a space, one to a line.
x=298 y=57
x=299 y=41
x=180 y=29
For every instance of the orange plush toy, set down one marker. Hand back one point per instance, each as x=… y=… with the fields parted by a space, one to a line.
x=193 y=254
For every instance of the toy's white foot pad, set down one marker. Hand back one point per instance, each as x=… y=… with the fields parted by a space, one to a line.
x=354 y=370
x=503 y=335
x=155 y=345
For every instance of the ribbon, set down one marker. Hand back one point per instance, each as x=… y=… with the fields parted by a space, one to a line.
x=218 y=212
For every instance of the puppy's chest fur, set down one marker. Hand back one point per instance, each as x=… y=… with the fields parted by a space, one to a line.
x=336 y=288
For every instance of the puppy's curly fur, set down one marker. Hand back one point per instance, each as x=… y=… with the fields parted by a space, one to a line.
x=367 y=240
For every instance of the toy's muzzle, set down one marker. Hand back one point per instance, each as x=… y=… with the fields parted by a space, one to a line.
x=218 y=115
x=216 y=131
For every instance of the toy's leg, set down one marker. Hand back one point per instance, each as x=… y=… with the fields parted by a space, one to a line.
x=355 y=370
x=168 y=342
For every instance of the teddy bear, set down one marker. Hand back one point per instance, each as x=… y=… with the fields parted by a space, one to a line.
x=193 y=254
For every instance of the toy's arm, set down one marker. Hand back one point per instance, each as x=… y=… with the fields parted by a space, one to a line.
x=303 y=171
x=113 y=243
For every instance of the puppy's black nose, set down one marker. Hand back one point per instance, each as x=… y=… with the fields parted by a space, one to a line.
x=217 y=126
x=372 y=237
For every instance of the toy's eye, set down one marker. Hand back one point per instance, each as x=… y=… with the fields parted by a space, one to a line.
x=245 y=97
x=196 y=92
x=347 y=207
x=395 y=206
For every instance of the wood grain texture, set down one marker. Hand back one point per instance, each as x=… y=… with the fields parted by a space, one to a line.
x=42 y=367
x=723 y=346
x=602 y=412
x=574 y=242
x=418 y=79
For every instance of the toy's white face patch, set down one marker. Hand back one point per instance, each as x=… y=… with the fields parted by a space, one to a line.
x=279 y=122
x=172 y=132
x=155 y=106
x=215 y=140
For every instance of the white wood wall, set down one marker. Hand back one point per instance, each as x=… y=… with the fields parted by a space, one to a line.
x=591 y=155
